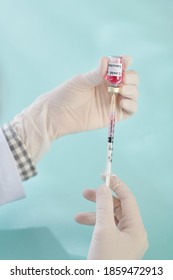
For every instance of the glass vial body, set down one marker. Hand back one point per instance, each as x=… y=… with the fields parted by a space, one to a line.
x=115 y=72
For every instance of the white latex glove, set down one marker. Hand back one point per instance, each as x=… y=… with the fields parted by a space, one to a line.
x=82 y=103
x=119 y=232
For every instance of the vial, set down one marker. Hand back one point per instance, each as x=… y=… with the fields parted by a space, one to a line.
x=115 y=73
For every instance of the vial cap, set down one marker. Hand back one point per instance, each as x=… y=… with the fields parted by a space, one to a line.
x=114 y=89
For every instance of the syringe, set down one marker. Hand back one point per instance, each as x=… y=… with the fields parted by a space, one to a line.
x=114 y=77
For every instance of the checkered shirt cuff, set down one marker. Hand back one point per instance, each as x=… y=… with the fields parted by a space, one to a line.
x=23 y=160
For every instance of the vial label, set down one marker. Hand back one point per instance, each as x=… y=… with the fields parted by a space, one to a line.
x=114 y=69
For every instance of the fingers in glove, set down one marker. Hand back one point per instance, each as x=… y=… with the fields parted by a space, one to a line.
x=95 y=77
x=127 y=61
x=102 y=67
x=130 y=77
x=86 y=218
x=129 y=205
x=104 y=207
x=129 y=106
x=90 y=194
x=131 y=219
x=123 y=193
x=129 y=91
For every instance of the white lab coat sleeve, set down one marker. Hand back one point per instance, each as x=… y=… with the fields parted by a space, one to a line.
x=10 y=182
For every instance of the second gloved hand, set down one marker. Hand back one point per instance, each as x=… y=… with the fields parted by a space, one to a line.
x=119 y=233
x=82 y=103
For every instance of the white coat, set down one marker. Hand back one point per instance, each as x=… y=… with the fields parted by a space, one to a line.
x=10 y=183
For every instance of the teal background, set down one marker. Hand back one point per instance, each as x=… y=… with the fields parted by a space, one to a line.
x=42 y=44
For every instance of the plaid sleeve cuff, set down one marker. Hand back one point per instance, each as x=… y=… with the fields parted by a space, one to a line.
x=23 y=160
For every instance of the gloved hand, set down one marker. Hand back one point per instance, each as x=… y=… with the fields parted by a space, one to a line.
x=82 y=103
x=119 y=232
